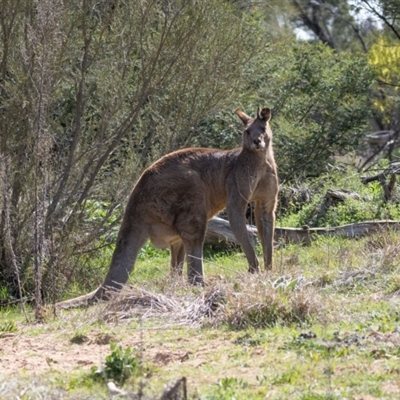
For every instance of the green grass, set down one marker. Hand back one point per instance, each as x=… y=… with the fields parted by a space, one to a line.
x=324 y=324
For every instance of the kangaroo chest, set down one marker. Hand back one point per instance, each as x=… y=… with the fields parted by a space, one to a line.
x=258 y=182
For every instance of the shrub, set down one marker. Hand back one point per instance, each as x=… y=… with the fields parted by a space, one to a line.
x=316 y=211
x=119 y=365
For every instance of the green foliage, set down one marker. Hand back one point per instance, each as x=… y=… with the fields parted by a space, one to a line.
x=290 y=376
x=82 y=382
x=314 y=348
x=227 y=389
x=119 y=365
x=149 y=251
x=104 y=93
x=5 y=294
x=7 y=327
x=319 y=100
x=89 y=266
x=384 y=57
x=370 y=204
x=284 y=284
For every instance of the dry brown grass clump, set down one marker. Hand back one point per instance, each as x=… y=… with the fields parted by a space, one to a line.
x=261 y=303
x=254 y=302
x=384 y=248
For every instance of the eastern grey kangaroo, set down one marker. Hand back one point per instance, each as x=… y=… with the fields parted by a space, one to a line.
x=176 y=196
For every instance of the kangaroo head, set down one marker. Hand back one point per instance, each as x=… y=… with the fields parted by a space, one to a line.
x=257 y=134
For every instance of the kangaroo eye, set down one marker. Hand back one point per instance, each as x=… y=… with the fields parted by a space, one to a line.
x=247 y=131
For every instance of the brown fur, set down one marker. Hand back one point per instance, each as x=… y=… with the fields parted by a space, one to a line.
x=176 y=196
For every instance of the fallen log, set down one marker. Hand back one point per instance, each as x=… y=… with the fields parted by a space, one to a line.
x=380 y=137
x=219 y=232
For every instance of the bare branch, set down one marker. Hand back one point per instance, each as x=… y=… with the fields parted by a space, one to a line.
x=314 y=24
x=382 y=17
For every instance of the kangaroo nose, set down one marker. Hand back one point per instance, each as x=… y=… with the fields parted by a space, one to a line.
x=257 y=142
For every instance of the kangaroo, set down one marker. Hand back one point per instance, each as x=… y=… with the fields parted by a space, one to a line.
x=176 y=196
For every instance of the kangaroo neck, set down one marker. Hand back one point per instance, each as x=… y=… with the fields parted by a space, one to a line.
x=253 y=156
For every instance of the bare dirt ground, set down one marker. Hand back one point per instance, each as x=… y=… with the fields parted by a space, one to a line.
x=42 y=352
x=272 y=361
x=38 y=353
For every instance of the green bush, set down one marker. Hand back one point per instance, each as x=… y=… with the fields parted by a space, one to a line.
x=7 y=327
x=370 y=204
x=119 y=365
x=319 y=102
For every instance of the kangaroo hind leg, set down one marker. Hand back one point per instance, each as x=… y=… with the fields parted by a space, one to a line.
x=177 y=258
x=191 y=227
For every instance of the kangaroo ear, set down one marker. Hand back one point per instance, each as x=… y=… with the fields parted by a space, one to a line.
x=243 y=116
x=264 y=114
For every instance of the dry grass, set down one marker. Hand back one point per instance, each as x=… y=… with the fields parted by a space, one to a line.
x=254 y=303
